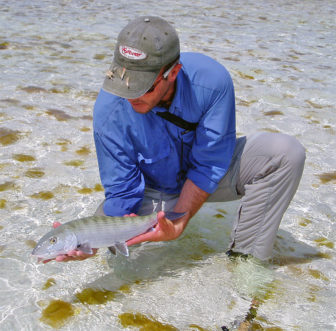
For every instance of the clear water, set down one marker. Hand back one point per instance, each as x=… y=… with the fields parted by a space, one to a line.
x=53 y=56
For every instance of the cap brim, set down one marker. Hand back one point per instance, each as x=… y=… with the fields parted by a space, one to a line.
x=129 y=84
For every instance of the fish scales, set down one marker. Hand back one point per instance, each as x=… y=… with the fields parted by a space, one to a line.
x=105 y=231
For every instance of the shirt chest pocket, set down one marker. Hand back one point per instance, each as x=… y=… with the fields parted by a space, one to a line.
x=154 y=149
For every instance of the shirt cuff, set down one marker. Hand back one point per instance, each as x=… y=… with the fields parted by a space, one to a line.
x=203 y=182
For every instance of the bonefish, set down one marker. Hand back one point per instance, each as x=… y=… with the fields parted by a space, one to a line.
x=87 y=233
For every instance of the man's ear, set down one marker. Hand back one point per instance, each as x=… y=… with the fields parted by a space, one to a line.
x=173 y=74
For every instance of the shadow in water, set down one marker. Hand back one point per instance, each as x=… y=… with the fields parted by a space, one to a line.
x=290 y=250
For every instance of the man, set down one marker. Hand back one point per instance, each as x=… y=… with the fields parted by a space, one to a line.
x=150 y=160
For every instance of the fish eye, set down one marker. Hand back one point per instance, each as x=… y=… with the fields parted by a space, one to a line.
x=53 y=240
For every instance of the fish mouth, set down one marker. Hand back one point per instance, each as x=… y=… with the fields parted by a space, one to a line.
x=36 y=253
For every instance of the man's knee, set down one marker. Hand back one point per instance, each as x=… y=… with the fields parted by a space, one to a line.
x=292 y=152
x=285 y=148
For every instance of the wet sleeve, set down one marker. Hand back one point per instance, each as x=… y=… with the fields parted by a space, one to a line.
x=215 y=139
x=120 y=176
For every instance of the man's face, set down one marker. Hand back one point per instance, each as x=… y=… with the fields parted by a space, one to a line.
x=162 y=90
x=149 y=100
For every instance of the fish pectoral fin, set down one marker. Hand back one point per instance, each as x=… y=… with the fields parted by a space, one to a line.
x=113 y=250
x=85 y=248
x=122 y=248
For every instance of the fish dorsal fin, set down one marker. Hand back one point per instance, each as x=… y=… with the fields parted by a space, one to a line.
x=85 y=248
x=122 y=248
x=112 y=249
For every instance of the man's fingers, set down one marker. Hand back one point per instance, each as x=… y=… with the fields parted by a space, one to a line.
x=148 y=236
x=138 y=239
x=164 y=223
x=61 y=258
x=73 y=255
x=163 y=231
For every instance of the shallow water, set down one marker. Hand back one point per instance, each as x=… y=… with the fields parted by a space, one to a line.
x=53 y=56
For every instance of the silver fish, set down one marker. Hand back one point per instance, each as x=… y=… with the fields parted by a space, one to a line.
x=95 y=232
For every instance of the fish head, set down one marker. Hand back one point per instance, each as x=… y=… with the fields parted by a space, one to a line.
x=55 y=243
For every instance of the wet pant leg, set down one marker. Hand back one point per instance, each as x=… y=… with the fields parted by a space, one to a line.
x=154 y=201
x=265 y=172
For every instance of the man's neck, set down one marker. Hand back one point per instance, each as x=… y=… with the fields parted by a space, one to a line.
x=168 y=98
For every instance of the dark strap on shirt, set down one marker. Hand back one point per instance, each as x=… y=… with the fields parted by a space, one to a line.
x=187 y=126
x=180 y=122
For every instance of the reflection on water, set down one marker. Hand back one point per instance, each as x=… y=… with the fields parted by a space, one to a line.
x=53 y=56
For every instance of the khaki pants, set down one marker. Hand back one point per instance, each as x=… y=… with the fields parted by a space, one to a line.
x=264 y=173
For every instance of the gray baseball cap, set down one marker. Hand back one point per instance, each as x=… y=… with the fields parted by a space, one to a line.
x=144 y=46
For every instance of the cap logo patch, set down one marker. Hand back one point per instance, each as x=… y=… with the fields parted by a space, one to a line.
x=132 y=53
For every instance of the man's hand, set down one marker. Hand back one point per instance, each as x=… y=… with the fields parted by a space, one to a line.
x=191 y=199
x=164 y=230
x=74 y=255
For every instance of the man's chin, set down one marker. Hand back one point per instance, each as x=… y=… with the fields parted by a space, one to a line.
x=140 y=108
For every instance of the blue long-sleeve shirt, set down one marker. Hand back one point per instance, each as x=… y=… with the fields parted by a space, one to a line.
x=137 y=150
